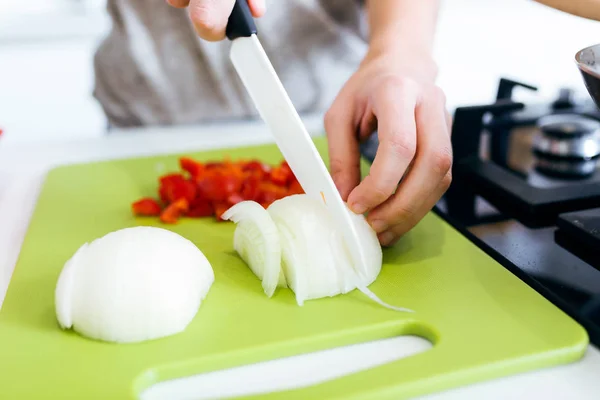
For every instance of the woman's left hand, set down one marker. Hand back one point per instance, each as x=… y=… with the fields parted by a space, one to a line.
x=395 y=94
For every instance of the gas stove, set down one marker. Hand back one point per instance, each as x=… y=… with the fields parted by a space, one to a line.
x=526 y=189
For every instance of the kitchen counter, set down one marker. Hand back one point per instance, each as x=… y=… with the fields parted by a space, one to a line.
x=22 y=169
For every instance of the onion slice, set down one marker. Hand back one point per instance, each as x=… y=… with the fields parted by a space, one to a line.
x=310 y=262
x=256 y=240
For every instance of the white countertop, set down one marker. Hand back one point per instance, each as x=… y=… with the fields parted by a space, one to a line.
x=22 y=168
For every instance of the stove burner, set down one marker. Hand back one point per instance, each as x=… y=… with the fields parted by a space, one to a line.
x=567 y=145
x=568 y=135
x=565 y=169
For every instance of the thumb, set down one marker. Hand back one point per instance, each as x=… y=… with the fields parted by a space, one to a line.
x=210 y=16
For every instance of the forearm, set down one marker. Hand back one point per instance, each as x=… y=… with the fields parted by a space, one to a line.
x=582 y=8
x=402 y=24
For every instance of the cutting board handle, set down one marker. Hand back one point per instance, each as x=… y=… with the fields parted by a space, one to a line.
x=240 y=22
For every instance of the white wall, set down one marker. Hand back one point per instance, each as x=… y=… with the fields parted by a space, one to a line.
x=45 y=68
x=46 y=49
x=480 y=40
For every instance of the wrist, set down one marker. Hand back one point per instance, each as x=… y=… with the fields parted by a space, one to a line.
x=403 y=32
x=405 y=57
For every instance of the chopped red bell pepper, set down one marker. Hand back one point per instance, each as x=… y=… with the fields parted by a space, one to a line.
x=200 y=208
x=209 y=189
x=146 y=207
x=174 y=211
x=175 y=187
x=282 y=175
x=217 y=185
x=295 y=188
x=251 y=188
x=162 y=193
x=271 y=192
x=286 y=167
x=220 y=207
x=279 y=176
x=256 y=168
x=234 y=198
x=192 y=167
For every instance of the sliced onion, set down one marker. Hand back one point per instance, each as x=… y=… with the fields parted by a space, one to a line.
x=132 y=285
x=313 y=268
x=256 y=240
x=312 y=254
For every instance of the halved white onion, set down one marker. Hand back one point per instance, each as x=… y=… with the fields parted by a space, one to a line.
x=256 y=240
x=132 y=285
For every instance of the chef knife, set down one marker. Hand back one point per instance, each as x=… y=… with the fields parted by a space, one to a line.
x=277 y=111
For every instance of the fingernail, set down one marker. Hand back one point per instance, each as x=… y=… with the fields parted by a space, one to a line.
x=359 y=208
x=387 y=237
x=379 y=225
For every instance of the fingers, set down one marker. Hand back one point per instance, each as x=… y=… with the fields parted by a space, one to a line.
x=428 y=178
x=344 y=152
x=257 y=8
x=389 y=237
x=179 y=3
x=394 y=106
x=210 y=17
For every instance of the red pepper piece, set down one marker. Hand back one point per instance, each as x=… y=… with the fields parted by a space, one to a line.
x=162 y=192
x=234 y=198
x=251 y=188
x=214 y=165
x=218 y=185
x=167 y=185
x=220 y=207
x=146 y=206
x=286 y=167
x=200 y=208
x=292 y=180
x=279 y=176
x=282 y=175
x=270 y=192
x=171 y=179
x=256 y=168
x=188 y=191
x=174 y=211
x=295 y=188
x=175 y=187
x=192 y=167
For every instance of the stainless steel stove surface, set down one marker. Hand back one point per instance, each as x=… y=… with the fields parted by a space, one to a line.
x=526 y=189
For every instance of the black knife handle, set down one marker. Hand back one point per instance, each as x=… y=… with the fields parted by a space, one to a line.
x=240 y=23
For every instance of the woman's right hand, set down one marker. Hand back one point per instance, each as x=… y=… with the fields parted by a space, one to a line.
x=210 y=16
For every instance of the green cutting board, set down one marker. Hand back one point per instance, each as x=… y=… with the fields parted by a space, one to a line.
x=483 y=321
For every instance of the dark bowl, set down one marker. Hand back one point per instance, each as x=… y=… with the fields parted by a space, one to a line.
x=588 y=61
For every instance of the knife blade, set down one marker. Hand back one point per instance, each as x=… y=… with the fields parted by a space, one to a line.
x=279 y=114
